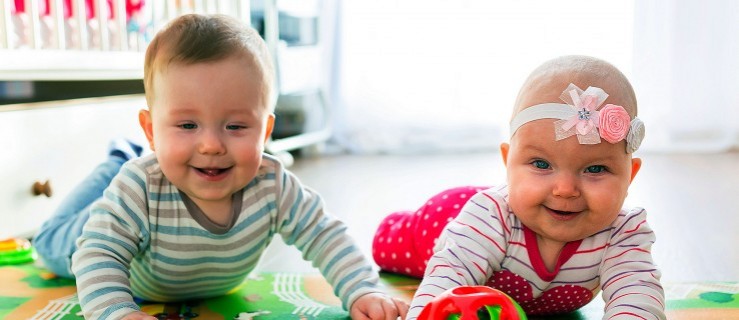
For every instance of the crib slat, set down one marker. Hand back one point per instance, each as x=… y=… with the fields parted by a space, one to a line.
x=5 y=24
x=101 y=14
x=120 y=21
x=57 y=14
x=80 y=13
x=48 y=33
x=35 y=32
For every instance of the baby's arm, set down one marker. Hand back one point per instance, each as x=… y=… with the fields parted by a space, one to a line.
x=470 y=248
x=629 y=278
x=109 y=241
x=323 y=240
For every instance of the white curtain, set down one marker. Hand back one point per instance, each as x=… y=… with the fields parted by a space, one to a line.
x=686 y=70
x=436 y=75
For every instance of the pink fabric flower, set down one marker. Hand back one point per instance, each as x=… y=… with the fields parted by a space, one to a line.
x=586 y=118
x=614 y=123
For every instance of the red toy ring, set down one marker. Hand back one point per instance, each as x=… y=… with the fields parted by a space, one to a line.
x=468 y=302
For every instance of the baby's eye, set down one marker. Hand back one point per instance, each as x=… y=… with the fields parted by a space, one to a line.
x=188 y=126
x=234 y=127
x=540 y=164
x=595 y=169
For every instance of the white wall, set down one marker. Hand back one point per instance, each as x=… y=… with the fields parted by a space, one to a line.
x=430 y=75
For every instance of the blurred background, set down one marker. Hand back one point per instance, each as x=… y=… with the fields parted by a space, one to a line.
x=396 y=99
x=404 y=76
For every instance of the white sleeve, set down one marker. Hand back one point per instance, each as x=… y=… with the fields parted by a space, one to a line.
x=470 y=248
x=629 y=278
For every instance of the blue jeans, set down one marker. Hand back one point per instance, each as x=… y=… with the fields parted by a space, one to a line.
x=56 y=241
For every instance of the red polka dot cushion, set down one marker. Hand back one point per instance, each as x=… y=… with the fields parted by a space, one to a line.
x=405 y=240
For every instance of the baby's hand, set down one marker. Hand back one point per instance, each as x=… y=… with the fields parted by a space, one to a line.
x=138 y=315
x=377 y=306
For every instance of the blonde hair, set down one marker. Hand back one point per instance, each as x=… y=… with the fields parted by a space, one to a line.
x=196 y=38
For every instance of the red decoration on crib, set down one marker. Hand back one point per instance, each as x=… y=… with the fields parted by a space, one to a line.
x=472 y=303
x=132 y=7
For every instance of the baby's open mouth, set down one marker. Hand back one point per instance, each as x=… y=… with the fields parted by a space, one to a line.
x=212 y=171
x=563 y=213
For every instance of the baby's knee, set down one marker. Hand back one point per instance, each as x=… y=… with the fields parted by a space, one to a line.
x=55 y=260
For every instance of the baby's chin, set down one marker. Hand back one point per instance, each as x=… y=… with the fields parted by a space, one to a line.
x=561 y=234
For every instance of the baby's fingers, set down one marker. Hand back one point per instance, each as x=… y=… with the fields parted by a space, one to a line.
x=384 y=310
x=356 y=314
x=138 y=315
x=402 y=307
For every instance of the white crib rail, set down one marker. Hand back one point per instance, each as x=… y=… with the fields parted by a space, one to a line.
x=156 y=11
x=4 y=23
x=54 y=47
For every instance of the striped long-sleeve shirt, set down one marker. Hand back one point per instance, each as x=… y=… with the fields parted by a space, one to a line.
x=145 y=239
x=487 y=245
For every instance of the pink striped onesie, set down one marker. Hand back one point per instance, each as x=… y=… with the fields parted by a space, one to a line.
x=484 y=243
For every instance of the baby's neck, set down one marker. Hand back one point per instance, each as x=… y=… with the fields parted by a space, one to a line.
x=217 y=212
x=549 y=251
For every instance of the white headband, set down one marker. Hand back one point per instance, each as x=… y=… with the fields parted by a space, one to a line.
x=581 y=117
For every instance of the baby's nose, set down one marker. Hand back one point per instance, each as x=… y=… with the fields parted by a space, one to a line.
x=566 y=186
x=211 y=143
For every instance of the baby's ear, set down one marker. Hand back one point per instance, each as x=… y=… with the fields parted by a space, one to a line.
x=504 y=147
x=146 y=125
x=269 y=126
x=635 y=166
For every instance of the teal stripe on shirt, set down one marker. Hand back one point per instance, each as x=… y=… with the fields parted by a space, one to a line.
x=211 y=259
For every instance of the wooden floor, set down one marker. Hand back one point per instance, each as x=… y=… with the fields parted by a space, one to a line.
x=692 y=201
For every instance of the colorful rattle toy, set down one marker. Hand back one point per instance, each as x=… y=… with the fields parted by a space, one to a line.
x=472 y=303
x=16 y=251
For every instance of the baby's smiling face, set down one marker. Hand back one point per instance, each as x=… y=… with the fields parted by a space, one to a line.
x=561 y=189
